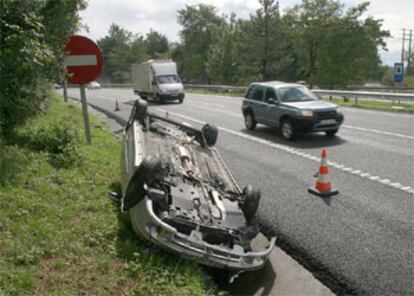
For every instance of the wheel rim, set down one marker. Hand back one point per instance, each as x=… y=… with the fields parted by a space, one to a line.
x=287 y=130
x=248 y=120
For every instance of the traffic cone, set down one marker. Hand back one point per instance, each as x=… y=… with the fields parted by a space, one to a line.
x=323 y=187
x=117 y=105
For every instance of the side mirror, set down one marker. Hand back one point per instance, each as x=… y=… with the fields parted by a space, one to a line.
x=273 y=101
x=154 y=82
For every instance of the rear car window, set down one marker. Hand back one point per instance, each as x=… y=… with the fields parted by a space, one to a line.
x=258 y=94
x=250 y=92
x=270 y=93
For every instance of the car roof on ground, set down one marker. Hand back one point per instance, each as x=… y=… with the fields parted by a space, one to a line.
x=276 y=84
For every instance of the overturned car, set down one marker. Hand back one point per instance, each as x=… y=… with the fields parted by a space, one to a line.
x=182 y=197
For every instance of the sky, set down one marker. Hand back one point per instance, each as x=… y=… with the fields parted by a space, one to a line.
x=139 y=16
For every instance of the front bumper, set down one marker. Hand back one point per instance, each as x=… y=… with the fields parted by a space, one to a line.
x=171 y=97
x=314 y=124
x=192 y=246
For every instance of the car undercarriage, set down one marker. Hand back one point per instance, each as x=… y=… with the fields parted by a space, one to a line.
x=182 y=197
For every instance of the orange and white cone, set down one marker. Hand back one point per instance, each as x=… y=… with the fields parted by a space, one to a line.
x=117 y=105
x=323 y=187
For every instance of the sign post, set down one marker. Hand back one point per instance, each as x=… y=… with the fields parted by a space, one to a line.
x=84 y=63
x=85 y=113
x=65 y=90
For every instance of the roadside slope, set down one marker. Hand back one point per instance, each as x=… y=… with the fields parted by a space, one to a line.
x=58 y=231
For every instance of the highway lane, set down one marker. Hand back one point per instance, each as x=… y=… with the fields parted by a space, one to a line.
x=363 y=237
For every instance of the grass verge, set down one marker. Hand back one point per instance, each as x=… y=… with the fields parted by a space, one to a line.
x=374 y=105
x=61 y=235
x=361 y=103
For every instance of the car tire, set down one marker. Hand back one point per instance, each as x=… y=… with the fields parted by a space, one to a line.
x=210 y=133
x=331 y=133
x=249 y=120
x=251 y=202
x=149 y=170
x=181 y=100
x=287 y=129
x=141 y=111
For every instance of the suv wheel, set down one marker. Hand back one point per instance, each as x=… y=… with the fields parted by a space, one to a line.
x=288 y=130
x=249 y=120
x=210 y=133
x=331 y=133
x=251 y=202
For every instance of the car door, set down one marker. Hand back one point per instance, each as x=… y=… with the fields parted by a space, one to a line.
x=258 y=104
x=272 y=110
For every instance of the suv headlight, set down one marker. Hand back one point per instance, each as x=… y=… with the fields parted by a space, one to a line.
x=306 y=113
x=163 y=90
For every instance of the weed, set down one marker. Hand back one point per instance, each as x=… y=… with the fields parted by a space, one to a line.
x=60 y=235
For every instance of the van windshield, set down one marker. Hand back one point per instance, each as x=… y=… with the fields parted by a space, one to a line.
x=295 y=94
x=163 y=79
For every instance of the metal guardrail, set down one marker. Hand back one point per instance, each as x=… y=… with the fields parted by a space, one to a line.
x=366 y=95
x=226 y=88
x=387 y=96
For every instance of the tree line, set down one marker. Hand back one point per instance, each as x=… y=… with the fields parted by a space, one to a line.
x=318 y=41
x=32 y=36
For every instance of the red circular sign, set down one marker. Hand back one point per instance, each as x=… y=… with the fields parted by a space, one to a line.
x=83 y=60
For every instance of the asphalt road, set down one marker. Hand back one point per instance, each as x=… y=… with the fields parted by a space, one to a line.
x=360 y=241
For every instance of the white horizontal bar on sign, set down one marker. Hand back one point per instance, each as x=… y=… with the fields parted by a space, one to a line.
x=80 y=60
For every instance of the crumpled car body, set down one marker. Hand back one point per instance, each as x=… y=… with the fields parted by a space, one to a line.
x=182 y=197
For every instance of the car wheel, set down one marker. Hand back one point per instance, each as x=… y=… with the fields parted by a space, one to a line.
x=249 y=120
x=288 y=130
x=180 y=101
x=251 y=202
x=331 y=133
x=141 y=111
x=210 y=133
x=150 y=169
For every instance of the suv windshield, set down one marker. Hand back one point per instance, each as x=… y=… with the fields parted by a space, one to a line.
x=295 y=94
x=168 y=79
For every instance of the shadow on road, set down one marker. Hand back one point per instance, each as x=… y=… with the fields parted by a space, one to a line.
x=258 y=282
x=303 y=141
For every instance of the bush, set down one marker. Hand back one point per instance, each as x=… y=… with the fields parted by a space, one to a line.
x=60 y=139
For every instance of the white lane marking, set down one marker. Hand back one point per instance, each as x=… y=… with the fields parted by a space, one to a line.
x=112 y=98
x=220 y=111
x=377 y=131
x=296 y=152
x=210 y=104
x=342 y=126
x=80 y=60
x=377 y=112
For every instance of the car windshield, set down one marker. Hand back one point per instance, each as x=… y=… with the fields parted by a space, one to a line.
x=295 y=94
x=168 y=79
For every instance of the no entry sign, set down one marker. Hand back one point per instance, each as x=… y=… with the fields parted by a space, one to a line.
x=83 y=60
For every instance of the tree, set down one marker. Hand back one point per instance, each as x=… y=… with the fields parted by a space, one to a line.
x=31 y=42
x=198 y=22
x=156 y=43
x=222 y=57
x=263 y=43
x=334 y=48
x=121 y=48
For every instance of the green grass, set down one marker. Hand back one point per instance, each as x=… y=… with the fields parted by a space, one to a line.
x=364 y=104
x=61 y=235
x=214 y=92
x=374 y=105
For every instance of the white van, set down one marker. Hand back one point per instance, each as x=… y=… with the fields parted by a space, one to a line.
x=158 y=80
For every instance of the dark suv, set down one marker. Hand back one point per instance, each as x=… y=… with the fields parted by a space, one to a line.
x=291 y=107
